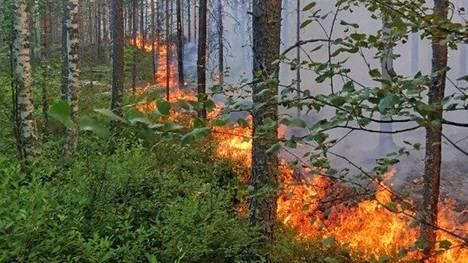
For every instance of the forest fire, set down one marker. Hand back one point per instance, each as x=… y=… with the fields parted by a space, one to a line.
x=370 y=228
x=162 y=50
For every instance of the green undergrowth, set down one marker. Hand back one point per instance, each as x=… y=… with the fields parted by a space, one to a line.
x=131 y=202
x=127 y=199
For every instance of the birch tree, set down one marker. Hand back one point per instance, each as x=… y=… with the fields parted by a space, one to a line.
x=27 y=139
x=72 y=80
x=386 y=142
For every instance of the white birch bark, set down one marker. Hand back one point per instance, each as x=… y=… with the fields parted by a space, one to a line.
x=25 y=119
x=72 y=73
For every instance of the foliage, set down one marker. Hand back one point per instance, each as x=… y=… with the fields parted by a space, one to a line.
x=121 y=207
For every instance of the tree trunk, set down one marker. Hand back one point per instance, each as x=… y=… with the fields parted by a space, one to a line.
x=134 y=36
x=195 y=20
x=46 y=40
x=189 y=21
x=153 y=39
x=220 y=42
x=90 y=24
x=433 y=156
x=180 y=45
x=414 y=53
x=463 y=59
x=298 y=55
x=22 y=84
x=36 y=33
x=158 y=33
x=142 y=19
x=386 y=142
x=63 y=87
x=201 y=61
x=105 y=33
x=168 y=51
x=72 y=75
x=266 y=29
x=117 y=56
x=98 y=30
x=285 y=36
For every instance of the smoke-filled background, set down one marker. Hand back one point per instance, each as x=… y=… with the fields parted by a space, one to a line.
x=411 y=57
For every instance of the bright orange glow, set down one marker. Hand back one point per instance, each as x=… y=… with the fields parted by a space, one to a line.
x=367 y=227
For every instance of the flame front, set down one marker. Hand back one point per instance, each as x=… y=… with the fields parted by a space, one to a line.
x=368 y=228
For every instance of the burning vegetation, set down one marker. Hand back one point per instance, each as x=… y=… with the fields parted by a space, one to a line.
x=314 y=206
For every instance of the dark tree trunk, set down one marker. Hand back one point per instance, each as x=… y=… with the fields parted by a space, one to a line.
x=158 y=33
x=189 y=21
x=201 y=61
x=433 y=156
x=220 y=42
x=153 y=39
x=90 y=24
x=105 y=33
x=195 y=20
x=142 y=19
x=134 y=36
x=99 y=31
x=180 y=45
x=168 y=51
x=414 y=53
x=298 y=54
x=266 y=29
x=285 y=36
x=46 y=40
x=63 y=87
x=117 y=56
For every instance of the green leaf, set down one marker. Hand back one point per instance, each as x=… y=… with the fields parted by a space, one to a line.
x=61 y=111
x=309 y=6
x=392 y=206
x=388 y=102
x=464 y=78
x=184 y=104
x=163 y=107
x=220 y=121
x=445 y=244
x=151 y=258
x=349 y=87
x=110 y=115
x=305 y=23
x=337 y=101
x=89 y=124
x=242 y=123
x=294 y=123
x=274 y=149
x=452 y=107
x=195 y=134
x=142 y=119
x=187 y=138
x=375 y=73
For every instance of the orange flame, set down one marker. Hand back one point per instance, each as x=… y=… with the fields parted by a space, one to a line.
x=369 y=229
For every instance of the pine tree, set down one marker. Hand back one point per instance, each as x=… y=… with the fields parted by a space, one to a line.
x=266 y=27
